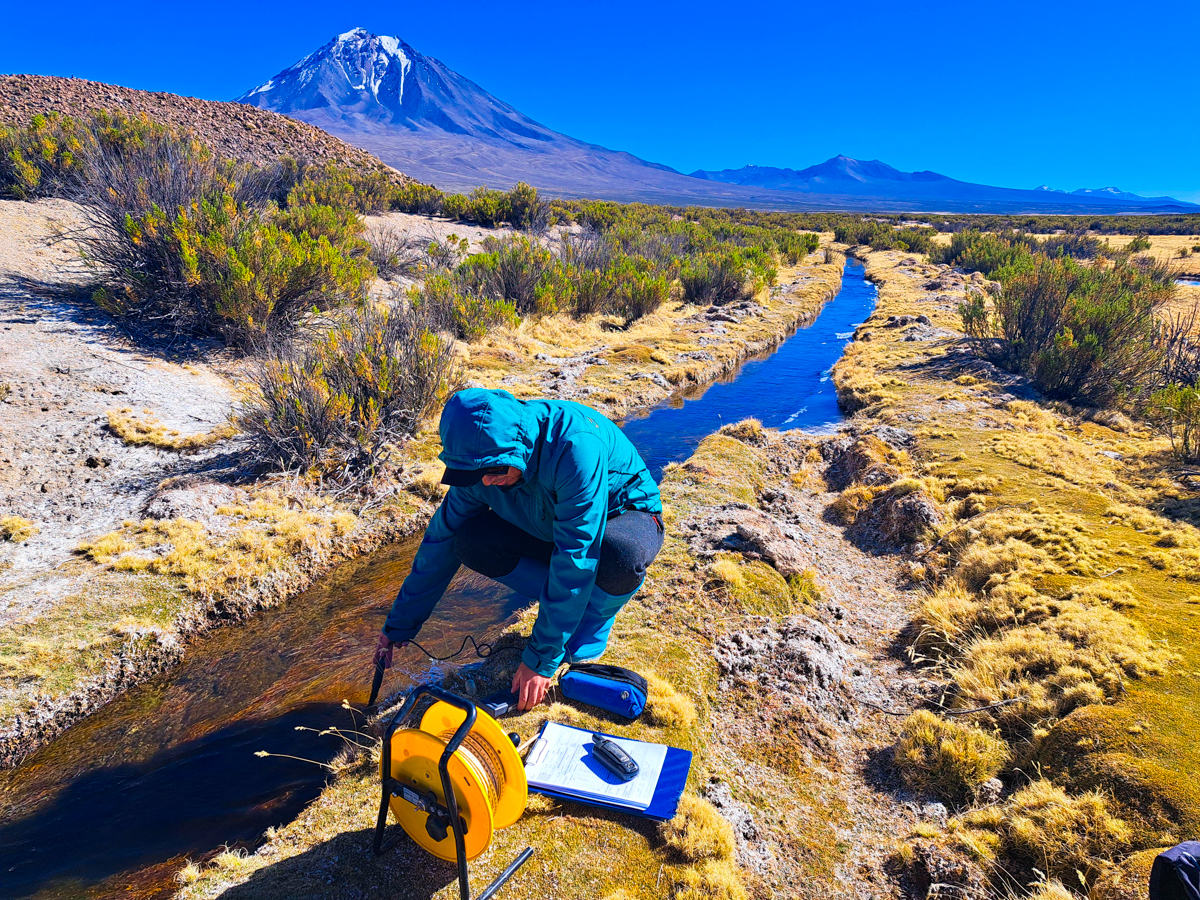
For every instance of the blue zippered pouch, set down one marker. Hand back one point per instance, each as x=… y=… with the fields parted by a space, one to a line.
x=612 y=688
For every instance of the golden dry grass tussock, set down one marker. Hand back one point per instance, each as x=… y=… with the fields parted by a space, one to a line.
x=1056 y=589
x=1056 y=833
x=17 y=529
x=947 y=758
x=698 y=831
x=145 y=429
x=666 y=706
x=264 y=541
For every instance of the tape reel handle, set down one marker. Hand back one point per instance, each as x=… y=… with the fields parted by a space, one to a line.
x=460 y=734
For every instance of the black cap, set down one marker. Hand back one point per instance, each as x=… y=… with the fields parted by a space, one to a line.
x=468 y=477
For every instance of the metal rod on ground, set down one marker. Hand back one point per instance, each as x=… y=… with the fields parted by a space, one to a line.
x=508 y=873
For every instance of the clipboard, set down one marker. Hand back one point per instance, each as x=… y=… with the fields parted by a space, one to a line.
x=672 y=779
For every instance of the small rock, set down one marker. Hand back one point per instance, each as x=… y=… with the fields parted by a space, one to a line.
x=935 y=812
x=652 y=376
x=197 y=500
x=899 y=438
x=991 y=790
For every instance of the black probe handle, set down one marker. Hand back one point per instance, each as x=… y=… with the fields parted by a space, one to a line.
x=376 y=681
x=491 y=889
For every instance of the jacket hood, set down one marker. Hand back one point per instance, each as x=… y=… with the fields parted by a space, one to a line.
x=486 y=428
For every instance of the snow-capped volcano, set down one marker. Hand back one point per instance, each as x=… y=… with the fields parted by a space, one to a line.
x=376 y=83
x=420 y=116
x=364 y=61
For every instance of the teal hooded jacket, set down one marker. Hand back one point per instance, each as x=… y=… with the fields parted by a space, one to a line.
x=578 y=469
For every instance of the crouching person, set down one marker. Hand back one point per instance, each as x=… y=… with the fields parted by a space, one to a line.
x=549 y=498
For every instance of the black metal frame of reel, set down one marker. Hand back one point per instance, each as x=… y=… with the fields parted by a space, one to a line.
x=392 y=788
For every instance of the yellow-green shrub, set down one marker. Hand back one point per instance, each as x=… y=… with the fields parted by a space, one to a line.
x=183 y=241
x=421 y=199
x=341 y=187
x=35 y=159
x=465 y=315
x=338 y=404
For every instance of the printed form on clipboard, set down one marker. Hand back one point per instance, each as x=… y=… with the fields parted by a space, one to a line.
x=561 y=760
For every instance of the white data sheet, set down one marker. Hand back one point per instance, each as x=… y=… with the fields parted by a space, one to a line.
x=561 y=760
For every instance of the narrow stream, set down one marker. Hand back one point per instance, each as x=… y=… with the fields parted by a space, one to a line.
x=167 y=771
x=786 y=387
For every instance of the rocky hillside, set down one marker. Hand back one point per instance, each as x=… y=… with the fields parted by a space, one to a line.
x=234 y=130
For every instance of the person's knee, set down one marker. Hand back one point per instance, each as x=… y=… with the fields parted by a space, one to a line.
x=619 y=574
x=630 y=544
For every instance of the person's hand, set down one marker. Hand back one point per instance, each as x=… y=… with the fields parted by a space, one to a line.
x=383 y=650
x=530 y=687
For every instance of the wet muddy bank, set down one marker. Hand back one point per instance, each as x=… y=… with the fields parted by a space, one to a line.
x=141 y=659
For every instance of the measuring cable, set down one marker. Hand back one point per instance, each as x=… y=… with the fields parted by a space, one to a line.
x=482 y=650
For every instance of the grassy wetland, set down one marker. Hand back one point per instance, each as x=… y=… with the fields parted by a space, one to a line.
x=1060 y=588
x=950 y=643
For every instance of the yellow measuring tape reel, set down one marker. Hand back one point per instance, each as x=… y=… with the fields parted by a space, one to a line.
x=486 y=773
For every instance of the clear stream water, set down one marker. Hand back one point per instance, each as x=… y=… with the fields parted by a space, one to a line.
x=786 y=387
x=167 y=771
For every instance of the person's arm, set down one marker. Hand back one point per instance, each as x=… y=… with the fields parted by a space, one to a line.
x=581 y=488
x=434 y=566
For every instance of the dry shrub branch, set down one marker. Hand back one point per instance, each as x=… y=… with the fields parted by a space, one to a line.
x=337 y=405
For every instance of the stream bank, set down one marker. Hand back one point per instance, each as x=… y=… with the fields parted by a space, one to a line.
x=139 y=749
x=74 y=635
x=1057 y=608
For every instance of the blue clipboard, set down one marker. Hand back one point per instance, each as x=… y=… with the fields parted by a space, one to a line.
x=663 y=805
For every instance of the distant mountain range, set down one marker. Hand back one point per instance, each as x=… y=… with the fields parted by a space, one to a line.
x=875 y=180
x=423 y=118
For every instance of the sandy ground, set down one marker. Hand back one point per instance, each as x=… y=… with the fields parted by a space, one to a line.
x=430 y=228
x=66 y=365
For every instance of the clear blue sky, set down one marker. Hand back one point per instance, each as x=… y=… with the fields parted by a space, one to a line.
x=1070 y=94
